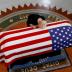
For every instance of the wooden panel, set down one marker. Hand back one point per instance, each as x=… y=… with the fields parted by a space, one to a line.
x=0 y=29
x=3 y=68
x=68 y=69
x=69 y=51
x=17 y=26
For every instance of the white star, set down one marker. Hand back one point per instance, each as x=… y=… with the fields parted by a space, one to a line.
x=61 y=39
x=58 y=42
x=61 y=47
x=60 y=34
x=55 y=32
x=57 y=29
x=61 y=30
x=54 y=41
x=63 y=36
x=55 y=49
x=67 y=38
x=68 y=30
x=51 y=30
x=63 y=27
x=64 y=41
x=66 y=46
x=53 y=35
x=65 y=32
x=55 y=45
x=67 y=42
x=58 y=46
x=71 y=40
x=69 y=34
x=57 y=37
x=69 y=27
x=61 y=44
x=70 y=44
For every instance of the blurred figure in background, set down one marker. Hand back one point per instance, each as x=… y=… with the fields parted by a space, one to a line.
x=36 y=21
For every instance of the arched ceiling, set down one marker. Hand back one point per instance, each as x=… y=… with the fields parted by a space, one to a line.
x=64 y=4
x=12 y=10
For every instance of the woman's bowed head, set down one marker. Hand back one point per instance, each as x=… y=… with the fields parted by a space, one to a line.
x=36 y=21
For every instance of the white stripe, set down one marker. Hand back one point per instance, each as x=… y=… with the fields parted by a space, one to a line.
x=2 y=59
x=34 y=30
x=20 y=33
x=27 y=47
x=59 y=22
x=1 y=54
x=13 y=30
x=58 y=25
x=23 y=40
x=26 y=54
x=1 y=33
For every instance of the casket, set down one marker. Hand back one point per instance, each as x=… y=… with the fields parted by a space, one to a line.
x=26 y=42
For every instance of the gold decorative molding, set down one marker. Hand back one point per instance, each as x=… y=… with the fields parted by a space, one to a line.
x=25 y=7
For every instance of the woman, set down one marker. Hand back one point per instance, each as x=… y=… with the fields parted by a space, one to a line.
x=36 y=21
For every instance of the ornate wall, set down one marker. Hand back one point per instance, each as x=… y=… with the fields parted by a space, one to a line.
x=16 y=18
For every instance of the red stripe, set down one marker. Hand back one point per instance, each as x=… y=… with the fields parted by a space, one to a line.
x=16 y=31
x=51 y=24
x=26 y=51
x=1 y=53
x=24 y=36
x=1 y=57
x=0 y=50
x=25 y=44
x=7 y=64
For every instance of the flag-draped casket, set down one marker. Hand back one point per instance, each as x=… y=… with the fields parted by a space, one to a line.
x=26 y=42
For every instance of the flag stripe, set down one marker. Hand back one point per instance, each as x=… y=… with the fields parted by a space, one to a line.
x=15 y=31
x=29 y=50
x=36 y=54
x=27 y=44
x=1 y=54
x=59 y=22
x=2 y=59
x=19 y=33
x=28 y=53
x=59 y=25
x=23 y=36
x=25 y=40
x=27 y=47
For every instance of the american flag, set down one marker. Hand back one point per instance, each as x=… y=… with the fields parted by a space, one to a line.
x=26 y=42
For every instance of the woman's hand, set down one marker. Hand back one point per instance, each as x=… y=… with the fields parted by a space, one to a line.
x=41 y=23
